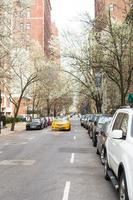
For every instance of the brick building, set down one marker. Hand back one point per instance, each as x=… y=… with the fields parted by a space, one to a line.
x=117 y=8
x=35 y=24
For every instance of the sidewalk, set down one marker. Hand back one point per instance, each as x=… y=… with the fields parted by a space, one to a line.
x=19 y=127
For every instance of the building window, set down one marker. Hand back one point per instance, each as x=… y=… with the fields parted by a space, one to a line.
x=21 y=26
x=28 y=26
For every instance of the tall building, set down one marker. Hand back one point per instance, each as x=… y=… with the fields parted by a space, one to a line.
x=35 y=23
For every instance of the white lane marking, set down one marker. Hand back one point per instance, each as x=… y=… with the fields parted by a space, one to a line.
x=17 y=162
x=22 y=143
x=6 y=144
x=31 y=138
x=74 y=138
x=72 y=158
x=66 y=190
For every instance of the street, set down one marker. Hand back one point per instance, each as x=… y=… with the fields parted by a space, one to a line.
x=52 y=165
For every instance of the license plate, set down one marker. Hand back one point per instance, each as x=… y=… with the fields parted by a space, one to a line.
x=33 y=126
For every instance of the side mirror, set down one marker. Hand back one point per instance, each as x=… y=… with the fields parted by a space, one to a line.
x=117 y=134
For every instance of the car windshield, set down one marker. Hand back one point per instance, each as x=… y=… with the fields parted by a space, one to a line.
x=35 y=120
x=104 y=119
x=61 y=118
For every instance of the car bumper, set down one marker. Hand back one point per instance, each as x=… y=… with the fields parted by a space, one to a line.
x=67 y=127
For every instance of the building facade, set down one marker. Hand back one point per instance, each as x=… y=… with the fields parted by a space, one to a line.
x=117 y=8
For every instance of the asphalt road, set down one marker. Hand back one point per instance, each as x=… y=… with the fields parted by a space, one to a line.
x=47 y=165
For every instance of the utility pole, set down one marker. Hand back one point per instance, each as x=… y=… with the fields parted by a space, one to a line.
x=0 y=110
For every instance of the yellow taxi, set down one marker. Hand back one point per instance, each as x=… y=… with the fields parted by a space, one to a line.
x=61 y=123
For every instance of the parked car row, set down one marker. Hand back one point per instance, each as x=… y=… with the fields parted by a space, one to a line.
x=39 y=123
x=113 y=138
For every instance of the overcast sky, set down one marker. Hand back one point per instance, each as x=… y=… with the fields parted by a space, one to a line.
x=65 y=12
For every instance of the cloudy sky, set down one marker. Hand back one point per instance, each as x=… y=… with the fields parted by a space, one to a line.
x=65 y=12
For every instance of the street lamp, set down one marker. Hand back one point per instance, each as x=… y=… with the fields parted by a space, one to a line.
x=0 y=110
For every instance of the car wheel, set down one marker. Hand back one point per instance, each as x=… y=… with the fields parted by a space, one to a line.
x=97 y=152
x=95 y=142
x=123 y=194
x=102 y=156
x=106 y=168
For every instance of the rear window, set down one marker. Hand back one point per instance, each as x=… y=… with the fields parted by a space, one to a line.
x=104 y=119
x=36 y=120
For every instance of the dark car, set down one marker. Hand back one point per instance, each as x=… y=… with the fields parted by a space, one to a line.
x=35 y=124
x=102 y=120
x=101 y=138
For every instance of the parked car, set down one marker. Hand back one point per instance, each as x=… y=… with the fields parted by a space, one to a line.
x=44 y=120
x=119 y=153
x=36 y=123
x=92 y=124
x=61 y=123
x=101 y=138
x=49 y=120
x=89 y=121
x=102 y=120
x=87 y=117
x=82 y=120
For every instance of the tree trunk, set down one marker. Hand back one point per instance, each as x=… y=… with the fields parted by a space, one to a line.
x=48 y=107
x=16 y=113
x=33 y=108
x=123 y=97
x=55 y=112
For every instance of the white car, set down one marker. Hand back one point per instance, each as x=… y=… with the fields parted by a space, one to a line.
x=119 y=153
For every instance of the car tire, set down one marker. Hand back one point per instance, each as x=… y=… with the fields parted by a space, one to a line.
x=97 y=152
x=102 y=156
x=123 y=193
x=94 y=142
x=106 y=168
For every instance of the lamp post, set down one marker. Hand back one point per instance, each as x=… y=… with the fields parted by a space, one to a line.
x=0 y=110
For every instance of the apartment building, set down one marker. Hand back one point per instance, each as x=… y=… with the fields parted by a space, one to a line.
x=117 y=8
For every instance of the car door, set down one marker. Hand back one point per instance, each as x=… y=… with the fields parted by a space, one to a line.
x=112 y=142
x=117 y=144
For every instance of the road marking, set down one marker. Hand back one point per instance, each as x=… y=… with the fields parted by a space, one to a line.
x=31 y=138
x=17 y=162
x=72 y=158
x=6 y=144
x=23 y=143
x=66 y=190
x=74 y=138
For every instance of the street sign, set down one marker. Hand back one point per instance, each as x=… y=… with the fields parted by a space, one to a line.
x=130 y=98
